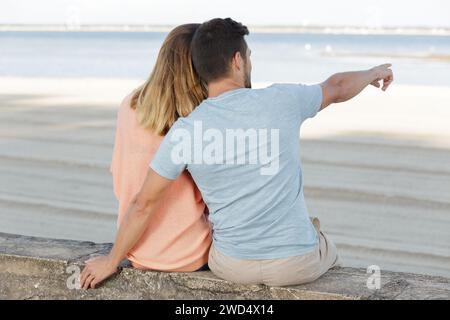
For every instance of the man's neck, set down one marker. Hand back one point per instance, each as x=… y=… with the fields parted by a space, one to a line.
x=216 y=88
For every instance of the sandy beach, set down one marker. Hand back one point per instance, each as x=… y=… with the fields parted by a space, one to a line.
x=377 y=169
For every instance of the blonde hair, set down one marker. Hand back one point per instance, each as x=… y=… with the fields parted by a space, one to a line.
x=173 y=89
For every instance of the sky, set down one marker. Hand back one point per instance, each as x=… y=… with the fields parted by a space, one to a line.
x=367 y=13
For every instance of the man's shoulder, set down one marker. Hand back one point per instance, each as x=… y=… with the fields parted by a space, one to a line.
x=187 y=122
x=299 y=91
x=196 y=114
x=281 y=89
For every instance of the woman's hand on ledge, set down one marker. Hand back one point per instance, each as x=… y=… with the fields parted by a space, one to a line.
x=97 y=269
x=131 y=229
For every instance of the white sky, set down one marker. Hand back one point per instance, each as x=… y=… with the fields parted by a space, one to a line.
x=431 y=13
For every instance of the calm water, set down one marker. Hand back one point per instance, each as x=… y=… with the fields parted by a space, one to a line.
x=276 y=57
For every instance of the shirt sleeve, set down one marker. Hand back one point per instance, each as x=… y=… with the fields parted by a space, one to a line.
x=312 y=95
x=173 y=154
x=306 y=99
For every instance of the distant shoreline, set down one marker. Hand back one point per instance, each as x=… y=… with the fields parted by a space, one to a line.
x=438 y=31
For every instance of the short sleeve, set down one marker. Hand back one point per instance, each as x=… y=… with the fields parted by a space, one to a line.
x=169 y=161
x=307 y=99
x=313 y=94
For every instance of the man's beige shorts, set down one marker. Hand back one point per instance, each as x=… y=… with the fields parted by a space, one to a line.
x=277 y=272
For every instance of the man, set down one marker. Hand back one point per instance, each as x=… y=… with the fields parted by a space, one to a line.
x=241 y=147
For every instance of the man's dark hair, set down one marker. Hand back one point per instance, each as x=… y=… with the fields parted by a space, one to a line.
x=213 y=46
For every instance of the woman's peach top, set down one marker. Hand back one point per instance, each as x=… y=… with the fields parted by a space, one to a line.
x=178 y=236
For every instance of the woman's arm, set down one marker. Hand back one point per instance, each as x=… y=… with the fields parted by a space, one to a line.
x=130 y=231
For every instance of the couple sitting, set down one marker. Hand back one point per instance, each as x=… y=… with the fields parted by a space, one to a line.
x=207 y=170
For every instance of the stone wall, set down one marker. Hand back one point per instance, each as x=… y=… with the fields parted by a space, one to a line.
x=39 y=268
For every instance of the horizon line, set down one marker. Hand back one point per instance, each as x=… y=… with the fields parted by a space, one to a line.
x=257 y=28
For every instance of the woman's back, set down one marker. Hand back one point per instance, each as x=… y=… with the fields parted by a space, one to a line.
x=178 y=235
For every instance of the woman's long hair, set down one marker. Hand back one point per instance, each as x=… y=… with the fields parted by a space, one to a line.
x=173 y=89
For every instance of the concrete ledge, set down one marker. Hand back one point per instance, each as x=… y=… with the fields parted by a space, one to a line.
x=38 y=268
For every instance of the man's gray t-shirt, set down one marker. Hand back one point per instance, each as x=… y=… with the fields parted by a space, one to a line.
x=242 y=150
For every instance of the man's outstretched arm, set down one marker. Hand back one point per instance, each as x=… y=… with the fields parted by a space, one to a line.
x=343 y=86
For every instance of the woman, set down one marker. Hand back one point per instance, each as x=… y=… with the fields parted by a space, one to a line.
x=177 y=237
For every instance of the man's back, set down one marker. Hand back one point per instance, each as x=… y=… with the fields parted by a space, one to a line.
x=242 y=151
